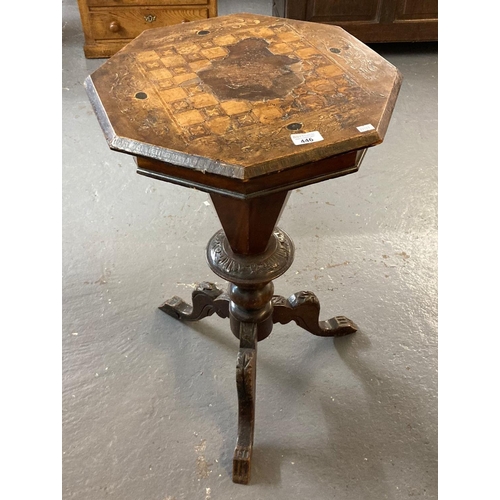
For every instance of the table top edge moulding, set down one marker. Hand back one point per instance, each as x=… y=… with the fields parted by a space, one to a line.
x=246 y=137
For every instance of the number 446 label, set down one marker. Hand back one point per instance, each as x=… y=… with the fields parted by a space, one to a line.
x=307 y=138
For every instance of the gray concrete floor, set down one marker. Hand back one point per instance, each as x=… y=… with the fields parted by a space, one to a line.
x=149 y=404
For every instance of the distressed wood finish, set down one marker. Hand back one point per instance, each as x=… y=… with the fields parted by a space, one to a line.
x=174 y=95
x=212 y=105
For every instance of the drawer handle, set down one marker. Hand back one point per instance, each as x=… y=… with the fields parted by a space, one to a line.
x=115 y=27
x=186 y=21
x=150 y=18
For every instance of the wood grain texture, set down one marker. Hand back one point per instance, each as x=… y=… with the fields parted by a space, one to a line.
x=109 y=25
x=249 y=223
x=146 y=3
x=131 y=22
x=192 y=95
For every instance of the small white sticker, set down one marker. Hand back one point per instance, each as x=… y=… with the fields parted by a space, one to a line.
x=307 y=138
x=365 y=128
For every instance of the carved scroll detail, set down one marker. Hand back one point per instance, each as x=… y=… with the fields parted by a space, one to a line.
x=254 y=269
x=303 y=308
x=246 y=367
x=207 y=299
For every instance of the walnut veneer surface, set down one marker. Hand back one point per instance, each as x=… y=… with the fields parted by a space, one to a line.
x=225 y=96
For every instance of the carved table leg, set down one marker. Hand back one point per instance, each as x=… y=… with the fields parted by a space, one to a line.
x=246 y=368
x=207 y=300
x=303 y=308
x=250 y=314
x=253 y=309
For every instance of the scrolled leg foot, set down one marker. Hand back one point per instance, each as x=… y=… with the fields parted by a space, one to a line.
x=303 y=308
x=207 y=300
x=246 y=367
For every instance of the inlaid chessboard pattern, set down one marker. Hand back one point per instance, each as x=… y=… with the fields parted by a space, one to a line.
x=198 y=112
x=225 y=95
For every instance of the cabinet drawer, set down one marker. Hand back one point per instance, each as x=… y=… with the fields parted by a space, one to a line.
x=117 y=23
x=137 y=3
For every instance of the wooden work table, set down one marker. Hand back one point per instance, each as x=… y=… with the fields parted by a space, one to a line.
x=246 y=108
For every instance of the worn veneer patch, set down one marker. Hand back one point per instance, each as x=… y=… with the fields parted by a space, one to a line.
x=252 y=72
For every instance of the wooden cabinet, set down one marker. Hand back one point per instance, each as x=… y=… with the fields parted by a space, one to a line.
x=369 y=20
x=108 y=25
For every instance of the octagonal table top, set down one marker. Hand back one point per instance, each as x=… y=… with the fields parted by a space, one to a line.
x=244 y=95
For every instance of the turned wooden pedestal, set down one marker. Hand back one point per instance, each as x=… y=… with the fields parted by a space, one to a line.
x=246 y=108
